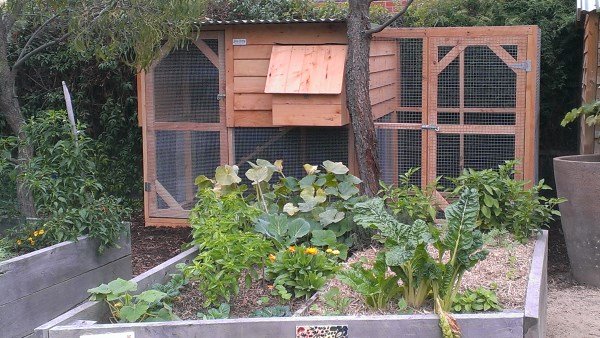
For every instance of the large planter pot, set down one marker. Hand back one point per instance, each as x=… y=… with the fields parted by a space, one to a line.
x=530 y=322
x=41 y=285
x=578 y=180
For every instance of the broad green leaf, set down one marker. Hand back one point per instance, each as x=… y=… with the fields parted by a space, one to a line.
x=298 y=228
x=323 y=238
x=102 y=289
x=309 y=195
x=290 y=209
x=307 y=181
x=330 y=216
x=258 y=175
x=120 y=286
x=337 y=168
x=347 y=190
x=151 y=296
x=133 y=313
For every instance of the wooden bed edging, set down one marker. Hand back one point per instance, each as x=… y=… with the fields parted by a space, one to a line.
x=43 y=284
x=506 y=324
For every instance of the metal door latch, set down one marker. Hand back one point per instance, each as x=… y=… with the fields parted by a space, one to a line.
x=525 y=65
x=147 y=186
x=220 y=97
x=430 y=127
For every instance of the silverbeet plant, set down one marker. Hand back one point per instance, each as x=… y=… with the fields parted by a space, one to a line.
x=459 y=248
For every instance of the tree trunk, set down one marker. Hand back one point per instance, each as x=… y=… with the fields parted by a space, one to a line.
x=357 y=95
x=11 y=111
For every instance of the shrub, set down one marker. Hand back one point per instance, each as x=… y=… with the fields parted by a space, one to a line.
x=63 y=178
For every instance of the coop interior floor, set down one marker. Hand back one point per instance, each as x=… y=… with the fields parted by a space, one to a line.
x=573 y=309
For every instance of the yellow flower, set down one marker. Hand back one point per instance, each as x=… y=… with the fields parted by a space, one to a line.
x=270 y=287
x=336 y=252
x=329 y=250
x=118 y=305
x=272 y=258
x=292 y=249
x=311 y=251
x=30 y=239
x=35 y=233
x=41 y=231
x=19 y=242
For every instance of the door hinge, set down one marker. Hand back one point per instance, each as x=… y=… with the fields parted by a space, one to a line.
x=524 y=65
x=430 y=127
x=147 y=186
x=220 y=97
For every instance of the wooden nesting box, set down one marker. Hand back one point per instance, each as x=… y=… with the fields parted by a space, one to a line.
x=307 y=83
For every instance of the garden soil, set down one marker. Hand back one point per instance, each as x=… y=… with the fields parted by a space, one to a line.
x=573 y=309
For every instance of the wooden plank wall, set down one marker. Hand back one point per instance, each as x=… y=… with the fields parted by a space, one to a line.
x=42 y=285
x=383 y=63
x=590 y=91
x=251 y=106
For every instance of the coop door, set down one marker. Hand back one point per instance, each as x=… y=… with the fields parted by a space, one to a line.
x=476 y=110
x=185 y=132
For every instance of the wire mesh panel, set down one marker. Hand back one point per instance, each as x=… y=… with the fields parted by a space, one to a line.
x=185 y=132
x=476 y=104
x=296 y=146
x=183 y=156
x=400 y=139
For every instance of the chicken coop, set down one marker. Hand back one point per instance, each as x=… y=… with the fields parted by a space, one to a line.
x=443 y=99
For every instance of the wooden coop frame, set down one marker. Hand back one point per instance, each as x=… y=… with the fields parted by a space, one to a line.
x=286 y=80
x=590 y=90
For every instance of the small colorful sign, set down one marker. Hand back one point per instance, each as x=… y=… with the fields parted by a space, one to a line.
x=322 y=331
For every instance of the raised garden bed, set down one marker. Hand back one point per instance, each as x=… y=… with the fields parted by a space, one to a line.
x=527 y=322
x=41 y=285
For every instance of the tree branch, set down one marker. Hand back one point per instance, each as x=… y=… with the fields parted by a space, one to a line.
x=36 y=33
x=389 y=22
x=25 y=57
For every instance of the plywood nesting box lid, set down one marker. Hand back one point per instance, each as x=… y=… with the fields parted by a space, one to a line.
x=307 y=83
x=306 y=69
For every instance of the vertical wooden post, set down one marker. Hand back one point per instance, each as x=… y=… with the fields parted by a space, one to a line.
x=590 y=82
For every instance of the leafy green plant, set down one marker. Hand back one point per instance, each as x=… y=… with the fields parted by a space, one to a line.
x=462 y=242
x=282 y=230
x=375 y=285
x=506 y=203
x=301 y=270
x=63 y=179
x=172 y=287
x=272 y=311
x=481 y=299
x=221 y=223
x=590 y=111
x=409 y=199
x=336 y=301
x=405 y=246
x=6 y=249
x=150 y=305
x=221 y=312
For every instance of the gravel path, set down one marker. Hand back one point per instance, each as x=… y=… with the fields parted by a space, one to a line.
x=573 y=309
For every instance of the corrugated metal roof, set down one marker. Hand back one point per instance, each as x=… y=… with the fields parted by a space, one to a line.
x=249 y=22
x=588 y=5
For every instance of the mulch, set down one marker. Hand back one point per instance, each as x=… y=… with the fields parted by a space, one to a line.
x=151 y=246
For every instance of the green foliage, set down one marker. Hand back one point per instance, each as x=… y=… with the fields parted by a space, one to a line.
x=221 y=312
x=479 y=300
x=300 y=270
x=282 y=230
x=220 y=228
x=148 y=306
x=506 y=203
x=172 y=287
x=6 y=249
x=405 y=246
x=375 y=285
x=335 y=301
x=590 y=111
x=272 y=311
x=63 y=179
x=409 y=199
x=462 y=242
